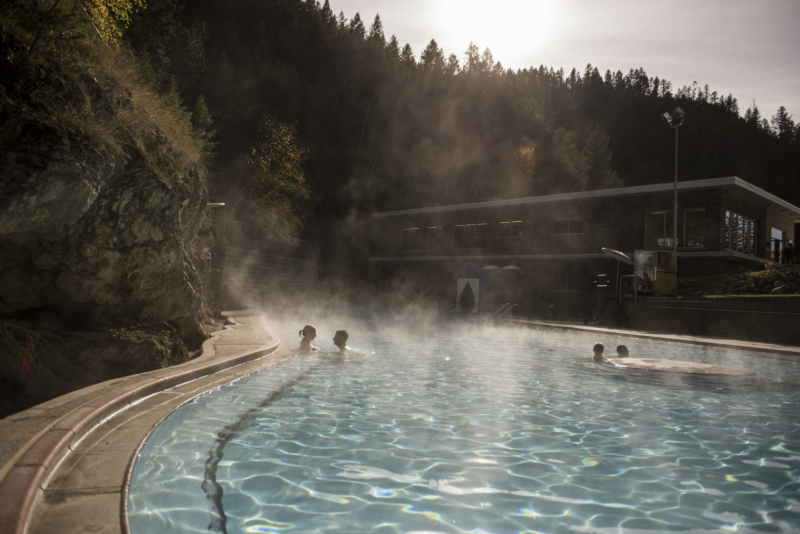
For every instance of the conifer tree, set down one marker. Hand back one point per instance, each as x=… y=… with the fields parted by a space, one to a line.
x=327 y=14
x=357 y=28
x=432 y=58
x=408 y=63
x=596 y=166
x=783 y=125
x=376 y=32
x=472 y=58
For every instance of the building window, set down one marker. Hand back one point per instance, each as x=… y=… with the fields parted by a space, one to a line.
x=776 y=245
x=740 y=233
x=510 y=229
x=469 y=235
x=431 y=238
x=659 y=228
x=409 y=239
x=565 y=226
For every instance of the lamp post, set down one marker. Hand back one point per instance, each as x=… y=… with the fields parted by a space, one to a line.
x=675 y=118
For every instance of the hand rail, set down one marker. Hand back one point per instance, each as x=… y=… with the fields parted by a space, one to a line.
x=449 y=309
x=504 y=309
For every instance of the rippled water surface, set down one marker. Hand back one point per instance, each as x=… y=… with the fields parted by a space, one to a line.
x=453 y=428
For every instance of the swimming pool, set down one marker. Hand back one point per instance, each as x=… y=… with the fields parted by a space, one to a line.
x=453 y=428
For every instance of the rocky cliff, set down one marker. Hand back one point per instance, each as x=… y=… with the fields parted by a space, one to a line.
x=103 y=237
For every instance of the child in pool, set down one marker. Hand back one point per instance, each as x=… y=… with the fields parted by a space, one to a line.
x=309 y=333
x=622 y=351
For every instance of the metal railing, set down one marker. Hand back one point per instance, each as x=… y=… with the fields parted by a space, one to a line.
x=504 y=309
x=244 y=235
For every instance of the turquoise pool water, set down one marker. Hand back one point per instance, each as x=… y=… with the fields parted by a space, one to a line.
x=450 y=428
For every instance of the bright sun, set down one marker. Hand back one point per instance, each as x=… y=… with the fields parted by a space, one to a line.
x=510 y=28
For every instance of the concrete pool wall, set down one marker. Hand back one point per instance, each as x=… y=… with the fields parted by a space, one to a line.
x=70 y=476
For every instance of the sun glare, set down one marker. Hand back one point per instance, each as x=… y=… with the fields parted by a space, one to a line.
x=512 y=29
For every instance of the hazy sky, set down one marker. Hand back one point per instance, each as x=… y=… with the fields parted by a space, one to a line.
x=750 y=48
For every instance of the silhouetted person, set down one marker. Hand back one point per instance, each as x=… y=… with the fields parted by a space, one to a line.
x=788 y=253
x=622 y=351
x=340 y=340
x=309 y=333
x=598 y=352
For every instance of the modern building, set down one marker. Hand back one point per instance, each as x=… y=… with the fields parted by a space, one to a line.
x=554 y=242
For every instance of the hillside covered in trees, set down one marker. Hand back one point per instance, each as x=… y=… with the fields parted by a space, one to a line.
x=321 y=120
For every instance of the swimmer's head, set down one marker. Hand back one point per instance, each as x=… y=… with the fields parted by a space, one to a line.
x=598 y=351
x=340 y=338
x=308 y=332
x=622 y=350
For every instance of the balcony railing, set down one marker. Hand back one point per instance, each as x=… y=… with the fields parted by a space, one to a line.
x=250 y=236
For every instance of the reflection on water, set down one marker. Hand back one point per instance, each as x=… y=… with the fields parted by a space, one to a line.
x=447 y=428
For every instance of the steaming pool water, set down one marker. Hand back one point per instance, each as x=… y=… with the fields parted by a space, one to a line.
x=452 y=428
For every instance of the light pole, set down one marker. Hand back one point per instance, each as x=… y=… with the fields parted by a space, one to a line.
x=675 y=118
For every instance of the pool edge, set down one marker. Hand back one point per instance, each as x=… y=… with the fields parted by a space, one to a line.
x=28 y=473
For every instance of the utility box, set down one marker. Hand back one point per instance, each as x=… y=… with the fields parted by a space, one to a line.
x=655 y=271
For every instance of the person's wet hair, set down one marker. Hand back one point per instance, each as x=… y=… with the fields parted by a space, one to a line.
x=308 y=329
x=622 y=350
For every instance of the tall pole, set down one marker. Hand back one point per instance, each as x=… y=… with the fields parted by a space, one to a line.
x=675 y=216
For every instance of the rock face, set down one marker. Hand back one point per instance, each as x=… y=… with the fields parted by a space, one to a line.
x=100 y=237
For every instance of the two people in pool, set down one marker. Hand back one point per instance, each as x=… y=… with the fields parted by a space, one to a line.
x=309 y=333
x=598 y=348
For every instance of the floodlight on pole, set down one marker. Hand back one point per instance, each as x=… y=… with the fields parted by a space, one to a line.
x=675 y=118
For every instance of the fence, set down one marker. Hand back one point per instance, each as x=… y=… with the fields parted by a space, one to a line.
x=250 y=236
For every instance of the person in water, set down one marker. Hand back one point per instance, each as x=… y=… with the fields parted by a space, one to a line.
x=308 y=333
x=622 y=351
x=340 y=340
x=598 y=352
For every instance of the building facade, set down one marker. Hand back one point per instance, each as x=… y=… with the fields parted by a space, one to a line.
x=724 y=224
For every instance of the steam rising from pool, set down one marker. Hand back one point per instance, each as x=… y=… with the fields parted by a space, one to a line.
x=450 y=427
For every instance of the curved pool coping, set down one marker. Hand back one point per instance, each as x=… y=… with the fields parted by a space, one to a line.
x=38 y=461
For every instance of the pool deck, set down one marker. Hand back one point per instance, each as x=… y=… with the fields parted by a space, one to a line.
x=66 y=464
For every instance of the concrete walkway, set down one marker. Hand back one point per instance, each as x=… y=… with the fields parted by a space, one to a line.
x=735 y=344
x=67 y=462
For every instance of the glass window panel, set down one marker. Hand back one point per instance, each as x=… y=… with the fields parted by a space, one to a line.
x=433 y=238
x=694 y=227
x=469 y=236
x=404 y=239
x=681 y=228
x=654 y=229
x=516 y=228
x=413 y=239
x=669 y=224
x=576 y=226
x=740 y=233
x=505 y=229
x=561 y=227
x=480 y=235
x=458 y=236
x=727 y=229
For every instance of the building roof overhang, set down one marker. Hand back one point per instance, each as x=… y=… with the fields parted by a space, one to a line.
x=731 y=183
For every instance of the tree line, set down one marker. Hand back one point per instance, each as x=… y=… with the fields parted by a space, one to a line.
x=380 y=127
